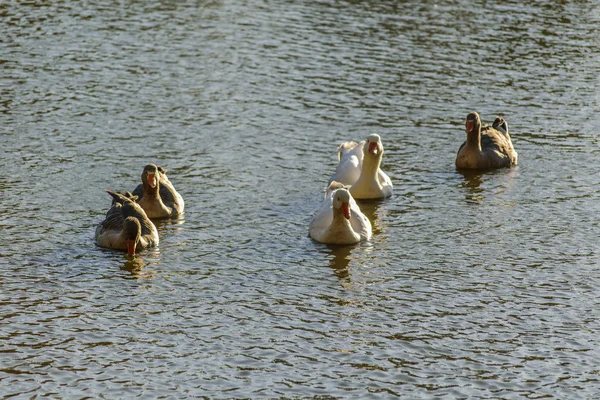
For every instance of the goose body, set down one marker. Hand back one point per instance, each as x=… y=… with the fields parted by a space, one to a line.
x=487 y=147
x=157 y=195
x=372 y=183
x=350 y=156
x=126 y=226
x=339 y=220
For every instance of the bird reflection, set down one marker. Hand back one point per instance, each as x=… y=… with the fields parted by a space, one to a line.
x=133 y=264
x=340 y=260
x=136 y=266
x=472 y=182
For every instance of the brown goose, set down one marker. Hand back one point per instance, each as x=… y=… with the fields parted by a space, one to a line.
x=487 y=147
x=126 y=226
x=156 y=194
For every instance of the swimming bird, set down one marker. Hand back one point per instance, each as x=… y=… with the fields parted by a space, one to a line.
x=486 y=147
x=372 y=183
x=360 y=223
x=157 y=195
x=339 y=220
x=126 y=226
x=350 y=158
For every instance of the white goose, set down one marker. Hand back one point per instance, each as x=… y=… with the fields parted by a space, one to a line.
x=350 y=156
x=339 y=220
x=373 y=183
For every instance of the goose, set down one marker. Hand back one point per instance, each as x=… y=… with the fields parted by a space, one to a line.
x=372 y=183
x=339 y=220
x=360 y=223
x=157 y=195
x=350 y=158
x=487 y=147
x=126 y=226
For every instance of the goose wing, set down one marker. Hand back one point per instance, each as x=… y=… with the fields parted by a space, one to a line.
x=114 y=218
x=495 y=140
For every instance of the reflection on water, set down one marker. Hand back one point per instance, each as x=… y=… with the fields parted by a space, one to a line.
x=340 y=259
x=472 y=184
x=139 y=266
x=133 y=264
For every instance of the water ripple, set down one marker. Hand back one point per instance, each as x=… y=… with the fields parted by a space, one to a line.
x=474 y=285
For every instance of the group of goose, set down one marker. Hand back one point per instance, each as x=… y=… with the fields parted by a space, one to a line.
x=358 y=176
x=128 y=225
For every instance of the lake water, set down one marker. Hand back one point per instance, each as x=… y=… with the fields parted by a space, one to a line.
x=473 y=286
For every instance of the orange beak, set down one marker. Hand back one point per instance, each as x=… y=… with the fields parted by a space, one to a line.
x=152 y=180
x=346 y=210
x=131 y=247
x=374 y=148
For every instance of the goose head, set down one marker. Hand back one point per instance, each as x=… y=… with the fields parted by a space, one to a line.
x=151 y=178
x=473 y=123
x=333 y=186
x=341 y=202
x=132 y=230
x=337 y=185
x=373 y=145
x=132 y=210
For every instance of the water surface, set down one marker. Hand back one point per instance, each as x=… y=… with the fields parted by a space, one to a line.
x=474 y=285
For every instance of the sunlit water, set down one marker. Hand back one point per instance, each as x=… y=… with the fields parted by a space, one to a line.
x=478 y=285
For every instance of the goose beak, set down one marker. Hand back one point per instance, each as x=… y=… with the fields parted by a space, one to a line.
x=346 y=210
x=131 y=247
x=374 y=148
x=470 y=125
x=152 y=180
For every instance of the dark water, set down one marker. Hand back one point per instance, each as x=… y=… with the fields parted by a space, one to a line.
x=478 y=286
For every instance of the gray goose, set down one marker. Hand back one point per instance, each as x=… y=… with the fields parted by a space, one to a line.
x=157 y=195
x=126 y=226
x=486 y=147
